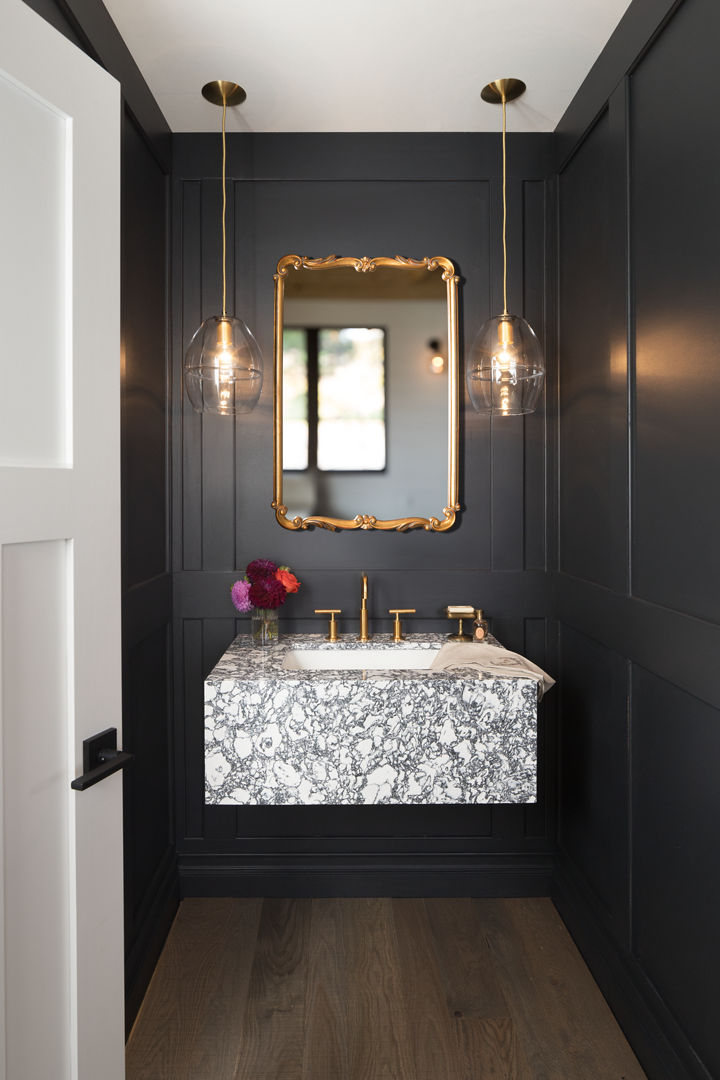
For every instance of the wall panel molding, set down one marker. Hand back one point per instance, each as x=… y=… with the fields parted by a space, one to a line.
x=297 y=876
x=632 y=36
x=154 y=920
x=675 y=646
x=524 y=594
x=146 y=607
x=362 y=156
x=639 y=697
x=654 y=1034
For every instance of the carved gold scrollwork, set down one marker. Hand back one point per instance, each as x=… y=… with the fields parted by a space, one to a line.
x=365 y=265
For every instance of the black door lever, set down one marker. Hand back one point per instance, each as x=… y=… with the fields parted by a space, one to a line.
x=101 y=758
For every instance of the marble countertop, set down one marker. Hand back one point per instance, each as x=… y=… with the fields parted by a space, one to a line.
x=275 y=736
x=243 y=660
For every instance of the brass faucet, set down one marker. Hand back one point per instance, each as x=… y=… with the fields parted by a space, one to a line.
x=364 y=633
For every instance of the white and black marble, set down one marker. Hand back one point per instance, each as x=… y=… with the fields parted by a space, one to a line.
x=287 y=737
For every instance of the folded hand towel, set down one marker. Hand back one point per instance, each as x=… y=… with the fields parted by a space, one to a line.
x=492 y=660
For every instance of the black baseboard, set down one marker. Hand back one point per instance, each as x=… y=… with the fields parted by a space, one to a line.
x=305 y=876
x=659 y=1043
x=143 y=954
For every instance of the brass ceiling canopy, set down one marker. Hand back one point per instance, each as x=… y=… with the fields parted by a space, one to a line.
x=494 y=91
x=221 y=92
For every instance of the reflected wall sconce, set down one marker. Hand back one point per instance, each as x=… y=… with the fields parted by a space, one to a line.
x=505 y=369
x=436 y=363
x=223 y=362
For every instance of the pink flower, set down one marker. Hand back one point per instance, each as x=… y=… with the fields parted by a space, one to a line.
x=267 y=593
x=259 y=569
x=239 y=594
x=287 y=579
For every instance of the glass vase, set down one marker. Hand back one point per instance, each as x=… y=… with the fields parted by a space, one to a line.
x=264 y=626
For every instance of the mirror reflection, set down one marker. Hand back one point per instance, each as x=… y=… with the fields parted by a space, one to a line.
x=334 y=399
x=366 y=393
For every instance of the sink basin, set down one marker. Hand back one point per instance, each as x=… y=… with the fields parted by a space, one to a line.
x=359 y=659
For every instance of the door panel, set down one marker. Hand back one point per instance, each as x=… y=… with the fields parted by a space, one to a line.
x=61 y=970
x=36 y=811
x=34 y=278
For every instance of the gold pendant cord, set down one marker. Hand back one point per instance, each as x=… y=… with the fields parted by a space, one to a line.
x=224 y=204
x=504 y=241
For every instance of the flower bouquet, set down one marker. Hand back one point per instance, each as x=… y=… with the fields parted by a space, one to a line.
x=262 y=591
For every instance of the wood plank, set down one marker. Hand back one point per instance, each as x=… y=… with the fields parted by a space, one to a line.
x=190 y=991
x=432 y=1040
x=471 y=981
x=377 y=1026
x=215 y=1049
x=489 y=1049
x=326 y=1046
x=563 y=1024
x=272 y=1034
x=374 y=989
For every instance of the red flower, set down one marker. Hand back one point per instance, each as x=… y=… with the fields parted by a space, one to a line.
x=259 y=569
x=267 y=593
x=287 y=579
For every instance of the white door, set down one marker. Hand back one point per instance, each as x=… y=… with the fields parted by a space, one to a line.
x=61 y=949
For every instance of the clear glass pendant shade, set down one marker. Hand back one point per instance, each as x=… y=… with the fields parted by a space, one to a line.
x=223 y=367
x=505 y=369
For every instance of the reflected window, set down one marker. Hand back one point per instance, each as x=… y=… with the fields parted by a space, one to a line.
x=334 y=399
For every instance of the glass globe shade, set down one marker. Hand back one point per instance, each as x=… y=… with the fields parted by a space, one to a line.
x=505 y=369
x=223 y=367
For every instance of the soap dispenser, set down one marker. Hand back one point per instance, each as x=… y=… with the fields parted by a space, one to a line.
x=480 y=627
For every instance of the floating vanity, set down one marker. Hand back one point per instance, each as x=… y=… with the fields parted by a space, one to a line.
x=307 y=721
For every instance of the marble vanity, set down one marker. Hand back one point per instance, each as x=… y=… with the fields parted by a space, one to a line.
x=282 y=728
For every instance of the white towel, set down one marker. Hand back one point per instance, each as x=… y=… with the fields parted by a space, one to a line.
x=492 y=660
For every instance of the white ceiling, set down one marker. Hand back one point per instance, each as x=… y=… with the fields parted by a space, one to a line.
x=365 y=65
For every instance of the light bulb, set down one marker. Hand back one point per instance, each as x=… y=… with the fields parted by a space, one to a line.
x=223 y=367
x=437 y=360
x=505 y=371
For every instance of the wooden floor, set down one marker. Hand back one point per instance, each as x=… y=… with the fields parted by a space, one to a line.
x=367 y=989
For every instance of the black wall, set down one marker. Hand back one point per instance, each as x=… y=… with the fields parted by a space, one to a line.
x=357 y=195
x=638 y=583
x=150 y=873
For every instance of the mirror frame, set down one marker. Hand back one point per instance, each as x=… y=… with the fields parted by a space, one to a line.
x=365 y=265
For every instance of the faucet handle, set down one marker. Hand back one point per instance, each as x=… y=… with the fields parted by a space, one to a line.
x=397 y=625
x=332 y=634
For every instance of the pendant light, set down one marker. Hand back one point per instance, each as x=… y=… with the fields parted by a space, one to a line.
x=505 y=369
x=223 y=362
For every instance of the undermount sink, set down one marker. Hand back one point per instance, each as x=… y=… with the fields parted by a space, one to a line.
x=402 y=659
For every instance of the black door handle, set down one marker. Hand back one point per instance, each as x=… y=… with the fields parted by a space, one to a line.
x=101 y=758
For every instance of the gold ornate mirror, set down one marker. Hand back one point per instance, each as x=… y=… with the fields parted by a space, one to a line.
x=366 y=404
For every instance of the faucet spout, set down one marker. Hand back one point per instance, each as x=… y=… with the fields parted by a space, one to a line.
x=364 y=632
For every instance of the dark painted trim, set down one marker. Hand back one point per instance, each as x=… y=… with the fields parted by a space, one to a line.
x=154 y=925
x=642 y=21
x=146 y=607
x=363 y=876
x=364 y=156
x=203 y=594
x=655 y=1037
x=645 y=633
